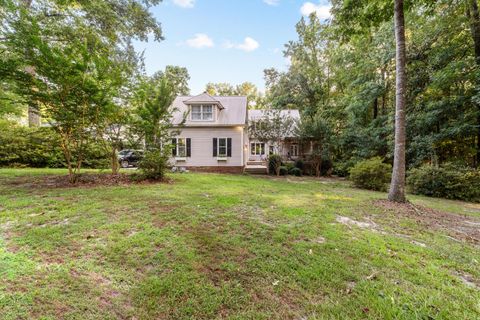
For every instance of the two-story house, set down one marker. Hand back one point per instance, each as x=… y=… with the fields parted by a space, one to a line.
x=214 y=135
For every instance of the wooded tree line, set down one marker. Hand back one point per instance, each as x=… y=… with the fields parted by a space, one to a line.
x=350 y=80
x=344 y=71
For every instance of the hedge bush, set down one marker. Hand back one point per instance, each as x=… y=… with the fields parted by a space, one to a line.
x=342 y=168
x=371 y=174
x=295 y=172
x=283 y=170
x=300 y=164
x=447 y=181
x=40 y=148
x=154 y=164
x=274 y=161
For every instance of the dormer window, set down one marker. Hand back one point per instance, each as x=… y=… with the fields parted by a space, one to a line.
x=202 y=112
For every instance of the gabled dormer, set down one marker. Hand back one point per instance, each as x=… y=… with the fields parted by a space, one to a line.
x=203 y=108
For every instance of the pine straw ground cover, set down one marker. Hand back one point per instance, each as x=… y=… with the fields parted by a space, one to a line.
x=209 y=246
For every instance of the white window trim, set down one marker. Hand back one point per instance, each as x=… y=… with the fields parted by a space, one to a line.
x=177 y=156
x=201 y=112
x=222 y=157
x=294 y=146
x=255 y=149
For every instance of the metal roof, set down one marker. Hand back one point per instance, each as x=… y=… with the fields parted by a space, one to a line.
x=258 y=114
x=234 y=112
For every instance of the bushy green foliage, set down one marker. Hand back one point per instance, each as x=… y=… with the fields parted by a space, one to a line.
x=300 y=164
x=447 y=181
x=21 y=146
x=283 y=171
x=327 y=167
x=289 y=165
x=153 y=121
x=40 y=148
x=154 y=164
x=295 y=172
x=371 y=174
x=342 y=168
x=274 y=163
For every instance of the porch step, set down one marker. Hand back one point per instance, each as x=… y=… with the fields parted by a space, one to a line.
x=256 y=163
x=256 y=169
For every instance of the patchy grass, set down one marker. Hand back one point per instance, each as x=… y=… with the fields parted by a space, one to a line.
x=222 y=246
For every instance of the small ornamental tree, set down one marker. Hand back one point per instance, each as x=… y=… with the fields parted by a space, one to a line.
x=272 y=128
x=153 y=123
x=112 y=131
x=317 y=131
x=71 y=85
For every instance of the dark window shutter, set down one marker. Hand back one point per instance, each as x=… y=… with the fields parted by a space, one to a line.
x=214 y=147
x=189 y=147
x=229 y=147
x=174 y=147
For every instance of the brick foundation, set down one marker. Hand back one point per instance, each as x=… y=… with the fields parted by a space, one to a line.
x=217 y=169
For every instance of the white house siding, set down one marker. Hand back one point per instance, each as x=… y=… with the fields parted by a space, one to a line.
x=202 y=146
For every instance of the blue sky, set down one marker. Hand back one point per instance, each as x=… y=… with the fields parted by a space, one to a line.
x=226 y=40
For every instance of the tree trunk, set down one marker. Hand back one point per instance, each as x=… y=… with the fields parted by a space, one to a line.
x=33 y=115
x=474 y=17
x=318 y=168
x=114 y=161
x=375 y=108
x=397 y=186
x=33 y=112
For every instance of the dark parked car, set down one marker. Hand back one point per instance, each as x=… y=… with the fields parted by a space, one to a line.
x=129 y=157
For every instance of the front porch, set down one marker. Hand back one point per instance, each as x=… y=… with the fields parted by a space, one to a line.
x=291 y=149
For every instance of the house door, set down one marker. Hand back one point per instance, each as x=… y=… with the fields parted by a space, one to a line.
x=257 y=151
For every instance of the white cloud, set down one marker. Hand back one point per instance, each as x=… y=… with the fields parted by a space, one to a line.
x=184 y=3
x=271 y=2
x=249 y=44
x=321 y=10
x=200 y=40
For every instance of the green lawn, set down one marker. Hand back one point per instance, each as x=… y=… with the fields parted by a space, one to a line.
x=211 y=246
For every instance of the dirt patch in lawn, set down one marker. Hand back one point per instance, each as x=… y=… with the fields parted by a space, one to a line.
x=85 y=180
x=458 y=227
x=467 y=279
x=350 y=222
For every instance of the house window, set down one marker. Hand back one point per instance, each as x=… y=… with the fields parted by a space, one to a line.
x=181 y=148
x=294 y=150
x=257 y=149
x=222 y=147
x=202 y=112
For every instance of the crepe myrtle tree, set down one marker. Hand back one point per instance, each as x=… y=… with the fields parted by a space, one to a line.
x=316 y=130
x=71 y=85
x=59 y=56
x=272 y=128
x=115 y=127
x=152 y=120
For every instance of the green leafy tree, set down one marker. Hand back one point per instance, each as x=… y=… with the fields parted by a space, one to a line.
x=63 y=58
x=316 y=130
x=272 y=128
x=114 y=23
x=153 y=122
x=178 y=77
x=254 y=97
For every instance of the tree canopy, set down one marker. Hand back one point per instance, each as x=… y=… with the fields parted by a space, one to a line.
x=344 y=69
